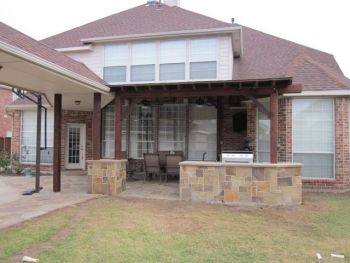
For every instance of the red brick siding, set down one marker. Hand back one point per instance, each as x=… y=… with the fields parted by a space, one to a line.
x=285 y=130
x=230 y=140
x=5 y=120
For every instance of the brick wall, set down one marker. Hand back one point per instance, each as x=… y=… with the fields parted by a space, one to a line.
x=231 y=140
x=5 y=120
x=285 y=130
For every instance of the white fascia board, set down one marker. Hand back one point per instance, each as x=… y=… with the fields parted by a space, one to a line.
x=183 y=33
x=25 y=107
x=322 y=93
x=75 y=49
x=20 y=53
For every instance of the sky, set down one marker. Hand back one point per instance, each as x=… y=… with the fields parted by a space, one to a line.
x=320 y=24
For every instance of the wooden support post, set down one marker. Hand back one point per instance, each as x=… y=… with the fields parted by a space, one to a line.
x=118 y=127
x=219 y=119
x=57 y=143
x=38 y=145
x=96 y=127
x=274 y=127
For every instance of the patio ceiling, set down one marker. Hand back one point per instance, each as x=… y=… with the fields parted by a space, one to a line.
x=25 y=71
x=256 y=88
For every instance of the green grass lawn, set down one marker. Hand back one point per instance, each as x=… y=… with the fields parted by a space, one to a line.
x=125 y=230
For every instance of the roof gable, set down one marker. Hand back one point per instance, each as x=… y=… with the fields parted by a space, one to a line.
x=138 y=20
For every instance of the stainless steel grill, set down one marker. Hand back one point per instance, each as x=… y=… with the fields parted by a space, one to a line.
x=237 y=157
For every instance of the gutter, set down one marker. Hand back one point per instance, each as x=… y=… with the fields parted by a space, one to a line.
x=27 y=56
x=312 y=93
x=75 y=49
x=182 y=33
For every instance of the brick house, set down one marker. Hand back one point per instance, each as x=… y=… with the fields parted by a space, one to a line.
x=186 y=82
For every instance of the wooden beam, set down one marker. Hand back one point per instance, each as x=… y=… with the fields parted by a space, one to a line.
x=274 y=127
x=118 y=127
x=57 y=133
x=96 y=127
x=221 y=92
x=219 y=118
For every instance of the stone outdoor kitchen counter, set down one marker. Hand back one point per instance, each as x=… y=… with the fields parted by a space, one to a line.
x=241 y=183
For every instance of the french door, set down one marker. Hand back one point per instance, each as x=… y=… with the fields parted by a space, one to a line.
x=75 y=146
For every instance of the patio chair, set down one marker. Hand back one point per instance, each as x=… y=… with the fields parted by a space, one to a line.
x=172 y=165
x=162 y=159
x=151 y=164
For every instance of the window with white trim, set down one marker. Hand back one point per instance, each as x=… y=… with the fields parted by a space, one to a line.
x=172 y=127
x=116 y=60
x=28 y=137
x=108 y=134
x=162 y=60
x=172 y=60
x=263 y=133
x=202 y=133
x=142 y=131
x=313 y=136
x=203 y=58
x=143 y=61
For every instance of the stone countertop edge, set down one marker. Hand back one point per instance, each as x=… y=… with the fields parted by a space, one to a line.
x=218 y=164
x=106 y=161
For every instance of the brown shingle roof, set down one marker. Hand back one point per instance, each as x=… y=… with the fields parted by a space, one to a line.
x=264 y=55
x=267 y=56
x=138 y=20
x=17 y=39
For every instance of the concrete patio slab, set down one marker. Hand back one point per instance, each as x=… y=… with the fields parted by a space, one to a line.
x=16 y=208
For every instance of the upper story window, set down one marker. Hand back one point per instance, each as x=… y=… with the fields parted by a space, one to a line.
x=116 y=61
x=203 y=58
x=172 y=61
x=165 y=60
x=143 y=62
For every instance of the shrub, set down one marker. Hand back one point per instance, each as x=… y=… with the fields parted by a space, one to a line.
x=5 y=162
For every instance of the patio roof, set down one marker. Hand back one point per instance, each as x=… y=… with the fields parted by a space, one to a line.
x=253 y=87
x=29 y=65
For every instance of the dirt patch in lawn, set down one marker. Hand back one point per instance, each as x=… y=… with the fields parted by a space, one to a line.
x=58 y=237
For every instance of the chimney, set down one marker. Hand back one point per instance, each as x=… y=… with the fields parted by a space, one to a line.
x=172 y=2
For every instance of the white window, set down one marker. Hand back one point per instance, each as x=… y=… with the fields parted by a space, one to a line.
x=116 y=60
x=142 y=131
x=202 y=134
x=108 y=134
x=172 y=127
x=203 y=58
x=143 y=62
x=28 y=137
x=313 y=136
x=172 y=60
x=263 y=134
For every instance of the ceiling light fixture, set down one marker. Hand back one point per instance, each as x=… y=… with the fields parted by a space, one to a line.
x=77 y=102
